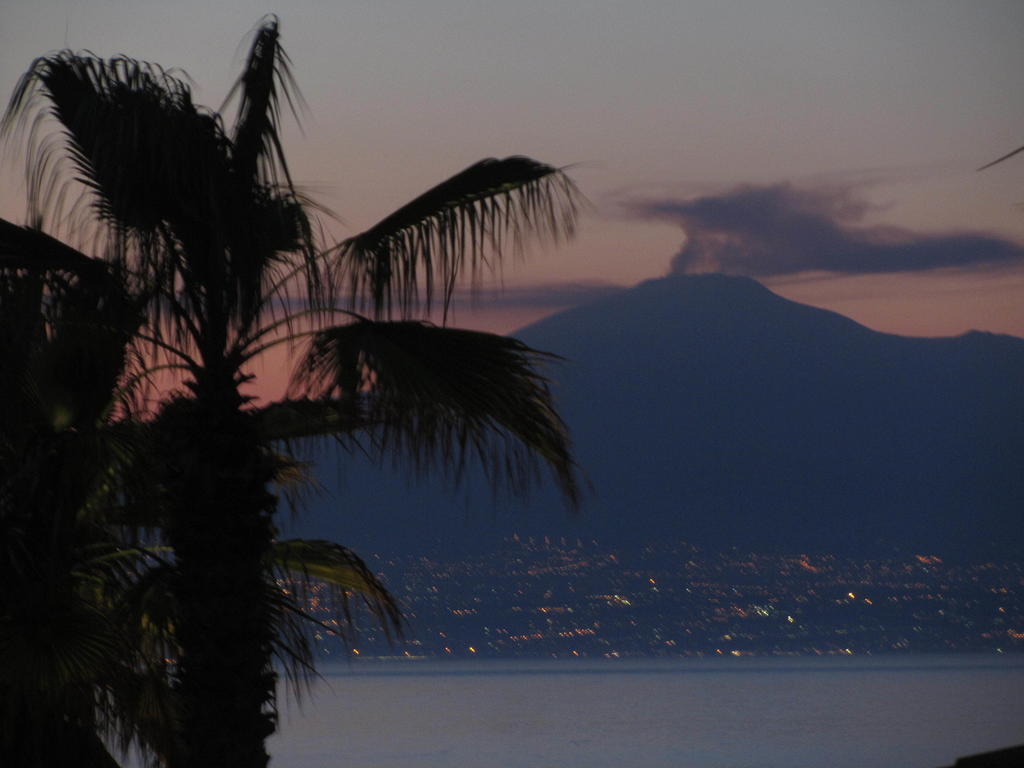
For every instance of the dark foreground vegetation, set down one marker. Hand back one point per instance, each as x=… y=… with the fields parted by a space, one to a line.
x=139 y=556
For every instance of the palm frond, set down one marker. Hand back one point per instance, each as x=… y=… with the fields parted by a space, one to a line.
x=295 y=480
x=27 y=248
x=53 y=666
x=465 y=223
x=313 y=560
x=65 y=463
x=130 y=585
x=22 y=327
x=442 y=395
x=155 y=165
x=290 y=420
x=266 y=77
x=59 y=652
x=277 y=216
x=204 y=220
x=77 y=370
x=127 y=124
x=998 y=160
x=152 y=712
x=293 y=431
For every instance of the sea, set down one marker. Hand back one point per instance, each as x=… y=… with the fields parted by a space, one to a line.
x=828 y=712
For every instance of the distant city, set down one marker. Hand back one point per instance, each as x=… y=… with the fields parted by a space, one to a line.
x=571 y=598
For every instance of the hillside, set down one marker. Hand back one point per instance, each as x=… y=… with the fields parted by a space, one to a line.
x=709 y=409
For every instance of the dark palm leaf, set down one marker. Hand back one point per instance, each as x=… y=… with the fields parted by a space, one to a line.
x=442 y=395
x=464 y=223
x=274 y=214
x=291 y=420
x=26 y=248
x=161 y=176
x=998 y=160
x=63 y=466
x=306 y=561
x=129 y=124
x=22 y=326
x=267 y=76
x=316 y=581
x=52 y=667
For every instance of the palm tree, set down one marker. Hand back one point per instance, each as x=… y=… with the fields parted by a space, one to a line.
x=86 y=615
x=77 y=666
x=210 y=216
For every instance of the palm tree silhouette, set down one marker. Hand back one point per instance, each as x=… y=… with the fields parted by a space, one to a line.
x=87 y=615
x=209 y=219
x=79 y=669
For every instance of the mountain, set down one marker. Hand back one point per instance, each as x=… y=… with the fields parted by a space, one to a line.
x=709 y=409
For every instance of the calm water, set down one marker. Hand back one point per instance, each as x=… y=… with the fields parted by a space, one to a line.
x=731 y=713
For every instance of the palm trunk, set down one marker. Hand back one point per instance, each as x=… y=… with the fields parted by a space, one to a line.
x=221 y=530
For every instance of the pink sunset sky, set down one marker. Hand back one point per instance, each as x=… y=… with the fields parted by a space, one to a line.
x=826 y=147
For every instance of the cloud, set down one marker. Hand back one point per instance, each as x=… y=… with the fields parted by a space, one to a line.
x=780 y=229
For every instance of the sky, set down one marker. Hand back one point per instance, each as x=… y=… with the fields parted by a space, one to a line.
x=826 y=147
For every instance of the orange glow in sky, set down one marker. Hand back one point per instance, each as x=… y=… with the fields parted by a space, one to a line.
x=652 y=100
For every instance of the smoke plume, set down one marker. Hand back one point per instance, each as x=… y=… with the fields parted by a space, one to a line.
x=781 y=229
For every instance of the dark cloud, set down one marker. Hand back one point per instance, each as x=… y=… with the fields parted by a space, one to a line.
x=781 y=229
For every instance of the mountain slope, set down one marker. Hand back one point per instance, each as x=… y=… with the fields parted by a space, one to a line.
x=710 y=409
